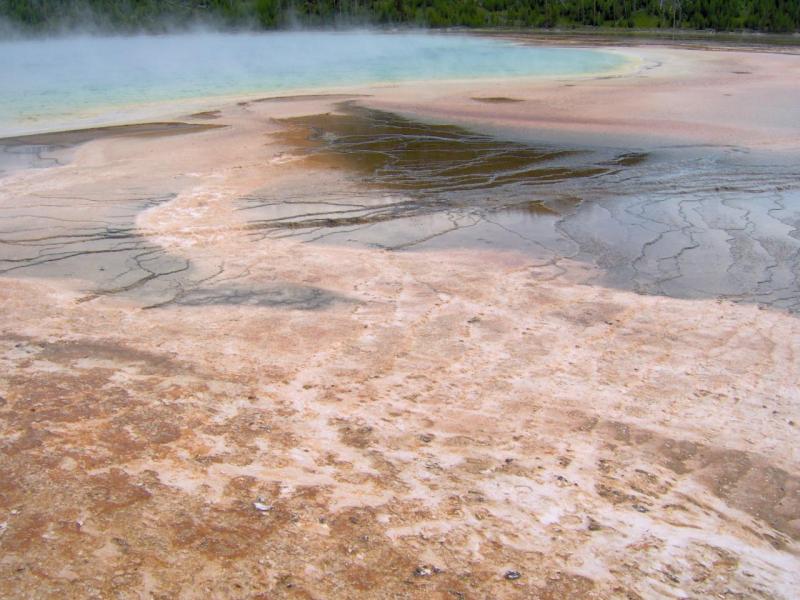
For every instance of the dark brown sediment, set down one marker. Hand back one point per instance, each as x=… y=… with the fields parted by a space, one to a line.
x=80 y=136
x=206 y=114
x=310 y=97
x=497 y=99
x=395 y=153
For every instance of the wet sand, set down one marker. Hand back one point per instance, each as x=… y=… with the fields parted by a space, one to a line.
x=196 y=404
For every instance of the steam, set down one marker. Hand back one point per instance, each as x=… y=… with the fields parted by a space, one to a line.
x=79 y=19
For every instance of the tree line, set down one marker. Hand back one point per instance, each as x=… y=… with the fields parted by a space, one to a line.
x=155 y=15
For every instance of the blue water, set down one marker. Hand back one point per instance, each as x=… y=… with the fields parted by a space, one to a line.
x=45 y=83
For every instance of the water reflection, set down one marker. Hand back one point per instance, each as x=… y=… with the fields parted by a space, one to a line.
x=707 y=223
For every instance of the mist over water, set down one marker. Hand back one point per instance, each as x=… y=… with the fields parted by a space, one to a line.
x=78 y=81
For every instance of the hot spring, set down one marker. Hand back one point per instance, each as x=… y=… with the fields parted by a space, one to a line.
x=71 y=82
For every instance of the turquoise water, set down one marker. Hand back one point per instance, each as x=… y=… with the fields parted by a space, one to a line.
x=45 y=83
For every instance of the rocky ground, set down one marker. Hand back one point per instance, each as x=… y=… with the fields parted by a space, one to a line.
x=191 y=410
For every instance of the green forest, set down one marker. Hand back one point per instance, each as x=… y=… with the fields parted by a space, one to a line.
x=155 y=15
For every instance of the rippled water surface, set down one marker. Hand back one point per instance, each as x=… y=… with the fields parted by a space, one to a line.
x=90 y=80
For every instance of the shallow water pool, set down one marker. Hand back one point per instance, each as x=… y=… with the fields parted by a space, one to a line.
x=47 y=84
